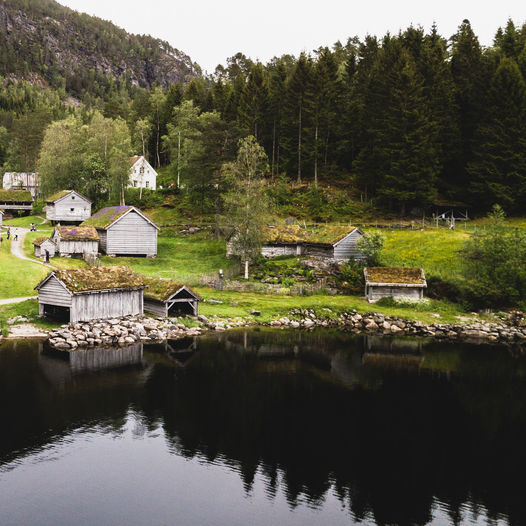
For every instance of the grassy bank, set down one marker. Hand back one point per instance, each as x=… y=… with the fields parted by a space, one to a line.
x=28 y=309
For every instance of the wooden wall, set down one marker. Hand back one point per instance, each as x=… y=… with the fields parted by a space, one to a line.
x=54 y=293
x=41 y=250
x=158 y=308
x=112 y=304
x=375 y=293
x=66 y=247
x=273 y=251
x=61 y=210
x=131 y=235
x=346 y=248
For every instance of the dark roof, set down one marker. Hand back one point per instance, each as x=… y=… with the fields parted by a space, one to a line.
x=318 y=234
x=78 y=233
x=164 y=289
x=107 y=216
x=15 y=196
x=395 y=276
x=97 y=278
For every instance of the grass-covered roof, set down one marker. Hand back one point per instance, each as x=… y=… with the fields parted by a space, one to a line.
x=162 y=289
x=15 y=196
x=39 y=240
x=77 y=233
x=100 y=278
x=322 y=234
x=57 y=195
x=395 y=275
x=106 y=216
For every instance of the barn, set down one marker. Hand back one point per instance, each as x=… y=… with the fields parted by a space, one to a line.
x=76 y=240
x=16 y=200
x=124 y=231
x=400 y=283
x=67 y=206
x=42 y=244
x=326 y=241
x=89 y=294
x=166 y=298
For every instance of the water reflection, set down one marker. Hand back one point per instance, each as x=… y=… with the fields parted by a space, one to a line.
x=391 y=432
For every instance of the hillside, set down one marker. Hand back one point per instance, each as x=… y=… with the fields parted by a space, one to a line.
x=45 y=42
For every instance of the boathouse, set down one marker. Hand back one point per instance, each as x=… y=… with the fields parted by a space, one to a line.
x=67 y=206
x=166 y=298
x=89 y=294
x=16 y=200
x=326 y=241
x=76 y=240
x=124 y=231
x=42 y=244
x=400 y=283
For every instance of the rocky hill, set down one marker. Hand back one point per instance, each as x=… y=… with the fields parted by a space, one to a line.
x=44 y=41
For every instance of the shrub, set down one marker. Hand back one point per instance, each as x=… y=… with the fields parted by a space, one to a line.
x=370 y=245
x=352 y=278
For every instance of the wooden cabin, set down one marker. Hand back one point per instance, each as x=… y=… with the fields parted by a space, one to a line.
x=76 y=240
x=400 y=283
x=89 y=294
x=165 y=298
x=67 y=206
x=16 y=200
x=42 y=244
x=326 y=241
x=22 y=181
x=124 y=231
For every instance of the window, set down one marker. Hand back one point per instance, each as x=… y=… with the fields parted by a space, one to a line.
x=71 y=209
x=147 y=184
x=135 y=184
x=72 y=197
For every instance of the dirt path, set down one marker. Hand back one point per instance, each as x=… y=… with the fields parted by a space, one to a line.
x=25 y=331
x=9 y=301
x=17 y=247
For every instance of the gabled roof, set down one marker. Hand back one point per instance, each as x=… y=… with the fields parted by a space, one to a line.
x=15 y=196
x=1 y=211
x=165 y=289
x=78 y=281
x=103 y=219
x=77 y=233
x=57 y=196
x=404 y=276
x=40 y=240
x=134 y=159
x=317 y=234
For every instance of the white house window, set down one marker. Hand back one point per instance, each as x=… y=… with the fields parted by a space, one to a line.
x=147 y=184
x=72 y=197
x=135 y=184
x=71 y=209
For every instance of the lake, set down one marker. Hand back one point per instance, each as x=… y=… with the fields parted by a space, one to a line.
x=264 y=428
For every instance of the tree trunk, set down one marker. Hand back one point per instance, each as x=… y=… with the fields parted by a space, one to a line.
x=316 y=156
x=246 y=269
x=273 y=149
x=299 y=144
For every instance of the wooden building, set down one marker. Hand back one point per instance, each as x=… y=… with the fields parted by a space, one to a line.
x=124 y=231
x=42 y=244
x=22 y=181
x=326 y=241
x=90 y=294
x=142 y=174
x=76 y=240
x=67 y=206
x=16 y=200
x=164 y=297
x=394 y=282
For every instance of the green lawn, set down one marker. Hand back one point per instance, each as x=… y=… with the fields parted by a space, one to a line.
x=25 y=221
x=28 y=309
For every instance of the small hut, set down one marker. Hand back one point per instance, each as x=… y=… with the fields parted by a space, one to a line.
x=90 y=294
x=67 y=206
x=166 y=298
x=394 y=282
x=16 y=200
x=42 y=244
x=76 y=240
x=124 y=231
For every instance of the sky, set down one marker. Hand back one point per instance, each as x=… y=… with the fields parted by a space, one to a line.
x=210 y=31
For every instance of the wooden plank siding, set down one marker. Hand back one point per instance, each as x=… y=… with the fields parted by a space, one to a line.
x=41 y=250
x=102 y=240
x=131 y=235
x=346 y=248
x=377 y=292
x=159 y=308
x=72 y=207
x=106 y=304
x=54 y=293
x=77 y=246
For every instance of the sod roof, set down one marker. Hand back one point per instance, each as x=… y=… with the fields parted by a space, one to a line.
x=77 y=233
x=57 y=195
x=39 y=240
x=98 y=278
x=107 y=216
x=395 y=275
x=15 y=196
x=320 y=234
x=162 y=289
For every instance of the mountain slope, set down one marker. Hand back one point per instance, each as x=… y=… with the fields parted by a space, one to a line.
x=43 y=40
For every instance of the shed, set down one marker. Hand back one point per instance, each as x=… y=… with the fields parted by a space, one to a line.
x=42 y=244
x=124 y=231
x=76 y=240
x=394 y=282
x=166 y=298
x=67 y=206
x=16 y=200
x=327 y=241
x=89 y=294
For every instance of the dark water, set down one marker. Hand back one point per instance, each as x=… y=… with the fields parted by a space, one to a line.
x=264 y=428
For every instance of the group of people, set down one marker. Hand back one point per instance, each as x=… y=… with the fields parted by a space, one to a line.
x=15 y=238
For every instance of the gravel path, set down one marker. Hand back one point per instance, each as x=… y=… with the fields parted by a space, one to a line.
x=17 y=247
x=9 y=301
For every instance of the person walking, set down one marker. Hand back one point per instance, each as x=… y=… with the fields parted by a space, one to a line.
x=8 y=233
x=46 y=260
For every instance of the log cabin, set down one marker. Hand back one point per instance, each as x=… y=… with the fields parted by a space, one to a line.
x=124 y=231
x=166 y=298
x=89 y=294
x=76 y=240
x=16 y=200
x=67 y=206
x=42 y=244
x=400 y=283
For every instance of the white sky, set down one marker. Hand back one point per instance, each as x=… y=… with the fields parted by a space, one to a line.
x=212 y=30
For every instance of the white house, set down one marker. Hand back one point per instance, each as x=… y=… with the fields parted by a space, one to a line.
x=22 y=181
x=67 y=205
x=142 y=175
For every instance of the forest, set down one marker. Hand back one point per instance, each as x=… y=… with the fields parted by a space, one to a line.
x=401 y=121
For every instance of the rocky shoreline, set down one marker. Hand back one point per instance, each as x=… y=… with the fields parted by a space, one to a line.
x=133 y=329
